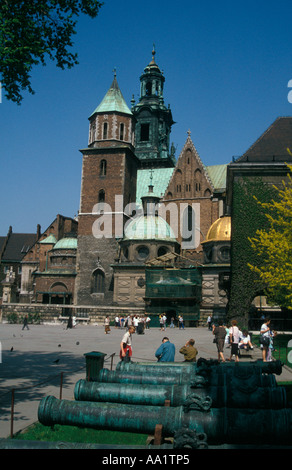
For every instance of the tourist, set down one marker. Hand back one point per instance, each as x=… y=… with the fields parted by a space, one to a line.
x=209 y=322
x=107 y=328
x=245 y=342
x=69 y=323
x=273 y=333
x=234 y=340
x=171 y=322
x=163 y=322
x=25 y=322
x=147 y=322
x=220 y=333
x=165 y=352
x=265 y=333
x=181 y=322
x=189 y=351
x=126 y=345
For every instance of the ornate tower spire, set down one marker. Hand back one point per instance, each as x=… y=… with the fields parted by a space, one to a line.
x=154 y=120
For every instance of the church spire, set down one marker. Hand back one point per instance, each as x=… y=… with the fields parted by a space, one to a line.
x=154 y=119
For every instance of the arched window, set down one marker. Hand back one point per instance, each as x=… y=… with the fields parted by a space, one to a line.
x=101 y=196
x=98 y=282
x=105 y=130
x=122 y=129
x=148 y=89
x=188 y=228
x=102 y=168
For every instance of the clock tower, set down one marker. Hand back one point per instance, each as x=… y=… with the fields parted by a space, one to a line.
x=153 y=120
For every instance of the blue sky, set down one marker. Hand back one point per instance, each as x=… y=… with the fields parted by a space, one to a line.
x=227 y=66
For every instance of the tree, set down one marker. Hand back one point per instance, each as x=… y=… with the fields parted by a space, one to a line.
x=30 y=32
x=275 y=245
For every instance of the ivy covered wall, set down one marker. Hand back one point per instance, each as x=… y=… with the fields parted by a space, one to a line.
x=247 y=217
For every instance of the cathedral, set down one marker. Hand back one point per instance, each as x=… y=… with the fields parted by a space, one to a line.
x=145 y=214
x=153 y=231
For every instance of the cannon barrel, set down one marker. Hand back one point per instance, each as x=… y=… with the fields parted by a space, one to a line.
x=235 y=395
x=274 y=367
x=223 y=425
x=29 y=444
x=181 y=377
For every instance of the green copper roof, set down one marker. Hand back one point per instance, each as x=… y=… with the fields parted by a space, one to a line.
x=160 y=180
x=149 y=227
x=113 y=101
x=66 y=243
x=51 y=240
x=217 y=174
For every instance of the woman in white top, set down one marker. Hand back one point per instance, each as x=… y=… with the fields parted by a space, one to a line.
x=265 y=331
x=234 y=340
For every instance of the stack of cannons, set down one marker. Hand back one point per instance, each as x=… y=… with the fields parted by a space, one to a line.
x=199 y=404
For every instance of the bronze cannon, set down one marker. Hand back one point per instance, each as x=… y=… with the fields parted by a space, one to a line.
x=183 y=375
x=235 y=394
x=220 y=425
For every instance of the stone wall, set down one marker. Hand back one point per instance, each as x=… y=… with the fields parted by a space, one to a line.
x=52 y=313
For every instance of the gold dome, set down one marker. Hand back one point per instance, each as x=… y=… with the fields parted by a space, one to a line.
x=220 y=230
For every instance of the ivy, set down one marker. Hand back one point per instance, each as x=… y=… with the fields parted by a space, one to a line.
x=247 y=217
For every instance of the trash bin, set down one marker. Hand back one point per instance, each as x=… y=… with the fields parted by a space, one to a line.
x=94 y=364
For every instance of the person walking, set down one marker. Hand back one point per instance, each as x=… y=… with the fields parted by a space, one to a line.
x=25 y=322
x=126 y=345
x=209 y=322
x=165 y=352
x=265 y=335
x=107 y=327
x=219 y=332
x=234 y=340
x=181 y=322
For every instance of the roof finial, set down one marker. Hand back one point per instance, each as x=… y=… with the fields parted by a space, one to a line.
x=189 y=133
x=150 y=187
x=115 y=72
x=153 y=52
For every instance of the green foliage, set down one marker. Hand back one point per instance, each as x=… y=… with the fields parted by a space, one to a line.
x=32 y=30
x=12 y=318
x=247 y=216
x=57 y=433
x=275 y=247
x=34 y=317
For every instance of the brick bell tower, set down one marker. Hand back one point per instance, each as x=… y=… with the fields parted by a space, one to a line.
x=109 y=174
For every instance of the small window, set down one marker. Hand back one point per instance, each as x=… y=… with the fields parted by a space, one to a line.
x=102 y=168
x=122 y=128
x=101 y=196
x=145 y=132
x=162 y=250
x=148 y=89
x=105 y=130
x=143 y=253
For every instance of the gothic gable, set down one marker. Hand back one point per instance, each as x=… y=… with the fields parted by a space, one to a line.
x=189 y=179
